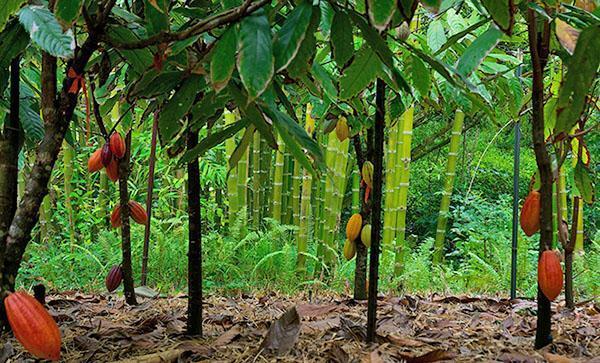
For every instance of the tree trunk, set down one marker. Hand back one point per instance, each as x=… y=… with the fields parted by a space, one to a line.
x=149 y=193
x=124 y=169
x=194 y=323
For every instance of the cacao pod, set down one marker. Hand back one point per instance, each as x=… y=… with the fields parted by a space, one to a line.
x=530 y=214
x=106 y=154
x=114 y=278
x=115 y=217
x=117 y=145
x=367 y=173
x=95 y=161
x=349 y=250
x=138 y=212
x=365 y=235
x=112 y=170
x=341 y=129
x=353 y=227
x=550 y=274
x=33 y=327
x=404 y=31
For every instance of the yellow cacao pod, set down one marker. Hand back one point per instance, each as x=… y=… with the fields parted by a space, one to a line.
x=365 y=235
x=349 y=250
x=367 y=173
x=353 y=227
x=341 y=129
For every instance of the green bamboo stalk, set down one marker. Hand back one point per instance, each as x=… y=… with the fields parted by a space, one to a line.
x=296 y=178
x=304 y=223
x=392 y=180
x=563 y=194
x=355 y=190
x=286 y=214
x=579 y=238
x=45 y=219
x=256 y=180
x=68 y=188
x=278 y=181
x=440 y=235
x=242 y=182
x=232 y=179
x=265 y=181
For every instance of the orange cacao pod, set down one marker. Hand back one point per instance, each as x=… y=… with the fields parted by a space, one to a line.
x=137 y=212
x=114 y=278
x=353 y=227
x=550 y=274
x=117 y=145
x=112 y=170
x=33 y=327
x=95 y=161
x=115 y=217
x=106 y=155
x=530 y=214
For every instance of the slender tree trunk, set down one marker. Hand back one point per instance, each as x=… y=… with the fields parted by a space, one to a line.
x=360 y=269
x=149 y=194
x=194 y=323
x=124 y=169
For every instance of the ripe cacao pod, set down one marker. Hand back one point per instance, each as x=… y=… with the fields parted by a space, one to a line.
x=530 y=214
x=353 y=227
x=367 y=173
x=115 y=217
x=117 y=145
x=95 y=161
x=550 y=274
x=365 y=235
x=138 y=212
x=112 y=170
x=114 y=278
x=341 y=129
x=349 y=250
x=33 y=327
x=106 y=154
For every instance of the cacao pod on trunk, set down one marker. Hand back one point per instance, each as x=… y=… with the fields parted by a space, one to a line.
x=367 y=173
x=530 y=213
x=115 y=217
x=341 y=129
x=33 y=327
x=95 y=161
x=365 y=235
x=550 y=274
x=112 y=170
x=114 y=278
x=117 y=145
x=349 y=250
x=353 y=227
x=106 y=154
x=138 y=212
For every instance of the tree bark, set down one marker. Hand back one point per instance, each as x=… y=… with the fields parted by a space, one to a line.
x=194 y=323
x=124 y=169
x=149 y=193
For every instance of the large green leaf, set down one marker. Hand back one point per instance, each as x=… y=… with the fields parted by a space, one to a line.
x=436 y=36
x=67 y=11
x=478 y=50
x=381 y=12
x=156 y=14
x=153 y=84
x=342 y=43
x=255 y=56
x=213 y=140
x=8 y=8
x=31 y=122
x=13 y=40
x=582 y=68
x=138 y=59
x=46 y=32
x=584 y=183
x=360 y=73
x=211 y=105
x=222 y=62
x=302 y=62
x=502 y=12
x=421 y=78
x=169 y=120
x=251 y=111
x=291 y=34
x=458 y=36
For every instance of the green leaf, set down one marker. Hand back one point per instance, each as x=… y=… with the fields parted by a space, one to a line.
x=8 y=8
x=208 y=107
x=301 y=64
x=156 y=15
x=325 y=80
x=213 y=140
x=458 y=36
x=13 y=40
x=255 y=56
x=406 y=9
x=584 y=183
x=381 y=12
x=360 y=73
x=342 y=43
x=46 y=32
x=421 y=78
x=153 y=84
x=67 y=11
x=582 y=68
x=502 y=12
x=31 y=122
x=138 y=59
x=478 y=50
x=222 y=62
x=169 y=120
x=291 y=34
x=436 y=37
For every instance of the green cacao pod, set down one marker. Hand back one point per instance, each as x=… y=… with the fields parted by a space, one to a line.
x=349 y=250
x=367 y=173
x=365 y=235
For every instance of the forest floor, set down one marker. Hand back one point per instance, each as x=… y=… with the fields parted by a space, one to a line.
x=99 y=328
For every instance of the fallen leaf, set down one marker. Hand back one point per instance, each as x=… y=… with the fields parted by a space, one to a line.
x=228 y=336
x=6 y=352
x=314 y=310
x=433 y=356
x=555 y=358
x=283 y=333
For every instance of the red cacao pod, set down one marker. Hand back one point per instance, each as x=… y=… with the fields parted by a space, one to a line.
x=112 y=170
x=117 y=145
x=138 y=212
x=95 y=161
x=115 y=217
x=530 y=214
x=33 y=327
x=106 y=154
x=550 y=274
x=114 y=278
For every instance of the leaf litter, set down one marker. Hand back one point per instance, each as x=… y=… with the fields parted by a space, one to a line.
x=269 y=327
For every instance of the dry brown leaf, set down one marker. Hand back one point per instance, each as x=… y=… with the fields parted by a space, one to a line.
x=567 y=35
x=433 y=356
x=228 y=336
x=314 y=310
x=403 y=341
x=283 y=333
x=555 y=358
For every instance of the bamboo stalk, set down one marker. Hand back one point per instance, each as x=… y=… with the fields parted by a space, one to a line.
x=256 y=180
x=579 y=238
x=242 y=183
x=392 y=180
x=232 y=179
x=286 y=214
x=278 y=182
x=355 y=191
x=304 y=223
x=265 y=181
x=296 y=178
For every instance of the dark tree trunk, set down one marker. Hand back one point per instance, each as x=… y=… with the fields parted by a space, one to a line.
x=360 y=270
x=124 y=169
x=194 y=323
x=149 y=193
x=378 y=137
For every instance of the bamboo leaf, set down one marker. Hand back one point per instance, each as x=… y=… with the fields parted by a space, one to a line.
x=255 y=56
x=241 y=147
x=291 y=34
x=478 y=50
x=46 y=32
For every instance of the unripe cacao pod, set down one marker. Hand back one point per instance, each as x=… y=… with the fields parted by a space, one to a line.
x=365 y=235
x=550 y=274
x=117 y=145
x=530 y=214
x=341 y=129
x=33 y=327
x=106 y=155
x=95 y=161
x=138 y=212
x=112 y=170
x=367 y=173
x=404 y=31
x=115 y=217
x=349 y=250
x=353 y=227
x=114 y=278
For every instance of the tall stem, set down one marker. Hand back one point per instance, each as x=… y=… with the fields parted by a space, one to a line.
x=194 y=324
x=149 y=194
x=124 y=169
